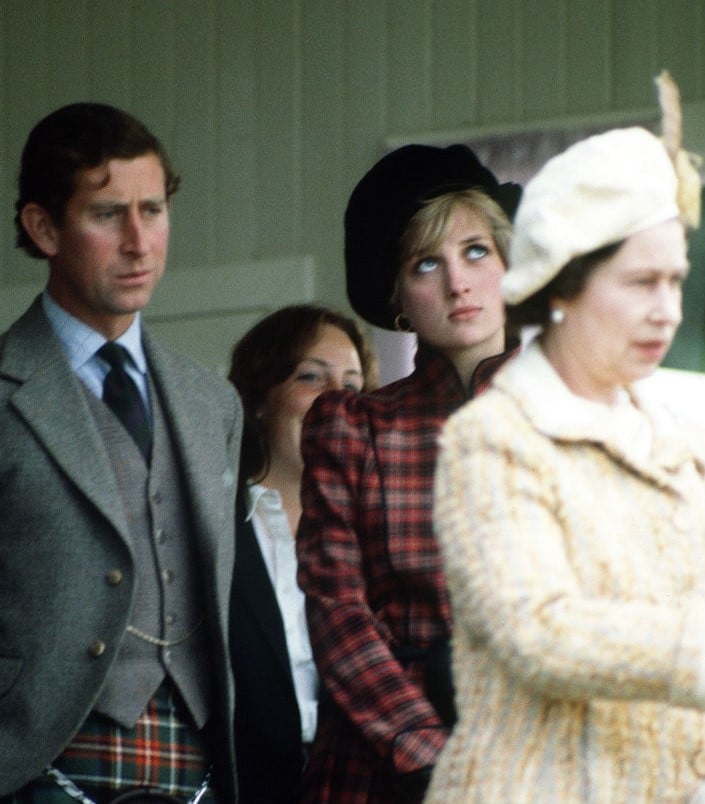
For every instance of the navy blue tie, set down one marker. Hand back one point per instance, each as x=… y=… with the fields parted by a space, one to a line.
x=121 y=395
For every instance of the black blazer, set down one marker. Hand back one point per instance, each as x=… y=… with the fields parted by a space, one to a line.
x=268 y=749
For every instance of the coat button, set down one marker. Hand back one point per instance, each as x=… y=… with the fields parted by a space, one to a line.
x=97 y=648
x=114 y=577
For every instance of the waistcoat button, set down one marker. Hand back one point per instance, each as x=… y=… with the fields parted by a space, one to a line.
x=114 y=577
x=97 y=648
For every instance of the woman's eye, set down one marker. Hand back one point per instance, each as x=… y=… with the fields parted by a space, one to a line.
x=426 y=265
x=476 y=251
x=645 y=281
x=311 y=378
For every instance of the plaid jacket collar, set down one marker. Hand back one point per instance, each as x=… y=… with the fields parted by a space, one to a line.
x=436 y=370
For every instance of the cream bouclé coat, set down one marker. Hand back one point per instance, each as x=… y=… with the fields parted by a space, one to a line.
x=574 y=549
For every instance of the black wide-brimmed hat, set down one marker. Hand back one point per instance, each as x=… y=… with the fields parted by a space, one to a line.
x=383 y=203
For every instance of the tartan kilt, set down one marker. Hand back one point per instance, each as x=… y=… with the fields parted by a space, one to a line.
x=162 y=751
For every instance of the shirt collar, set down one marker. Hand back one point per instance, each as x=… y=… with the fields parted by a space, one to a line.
x=81 y=342
x=257 y=493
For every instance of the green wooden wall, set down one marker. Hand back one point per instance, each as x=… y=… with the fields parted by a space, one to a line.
x=272 y=109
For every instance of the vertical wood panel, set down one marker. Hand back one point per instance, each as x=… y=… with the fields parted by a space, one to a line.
x=321 y=133
x=193 y=239
x=588 y=57
x=27 y=67
x=544 y=68
x=364 y=99
x=67 y=52
x=363 y=128
x=28 y=62
x=634 y=35
x=455 y=62
x=500 y=61
x=278 y=80
x=152 y=67
x=697 y=38
x=680 y=23
x=236 y=224
x=408 y=65
x=111 y=28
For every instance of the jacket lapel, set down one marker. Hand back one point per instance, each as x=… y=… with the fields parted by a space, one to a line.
x=197 y=441
x=51 y=401
x=253 y=585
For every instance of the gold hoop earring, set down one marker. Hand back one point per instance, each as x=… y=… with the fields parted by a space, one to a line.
x=402 y=323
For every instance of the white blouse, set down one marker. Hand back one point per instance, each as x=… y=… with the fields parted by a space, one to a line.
x=276 y=543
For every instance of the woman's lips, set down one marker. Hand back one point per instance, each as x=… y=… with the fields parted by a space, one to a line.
x=465 y=313
x=653 y=350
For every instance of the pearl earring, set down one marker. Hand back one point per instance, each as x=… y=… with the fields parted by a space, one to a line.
x=557 y=315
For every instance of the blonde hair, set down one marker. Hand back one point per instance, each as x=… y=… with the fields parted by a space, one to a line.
x=429 y=225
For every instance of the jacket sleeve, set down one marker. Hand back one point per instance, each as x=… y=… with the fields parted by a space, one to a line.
x=351 y=644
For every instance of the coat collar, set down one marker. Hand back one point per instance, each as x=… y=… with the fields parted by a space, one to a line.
x=50 y=399
x=437 y=371
x=563 y=416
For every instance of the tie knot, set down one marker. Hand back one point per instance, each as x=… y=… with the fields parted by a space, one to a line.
x=114 y=354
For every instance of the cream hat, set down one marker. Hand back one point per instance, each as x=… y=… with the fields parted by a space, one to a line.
x=600 y=191
x=597 y=192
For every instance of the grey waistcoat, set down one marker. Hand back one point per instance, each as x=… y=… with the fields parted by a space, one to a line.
x=168 y=601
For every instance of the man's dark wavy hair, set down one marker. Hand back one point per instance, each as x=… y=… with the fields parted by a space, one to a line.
x=75 y=137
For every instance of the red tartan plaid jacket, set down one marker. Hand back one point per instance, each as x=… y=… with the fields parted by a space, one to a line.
x=371 y=571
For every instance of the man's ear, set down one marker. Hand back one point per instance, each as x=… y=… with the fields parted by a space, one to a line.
x=40 y=227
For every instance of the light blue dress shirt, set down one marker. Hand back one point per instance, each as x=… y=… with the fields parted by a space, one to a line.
x=81 y=343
